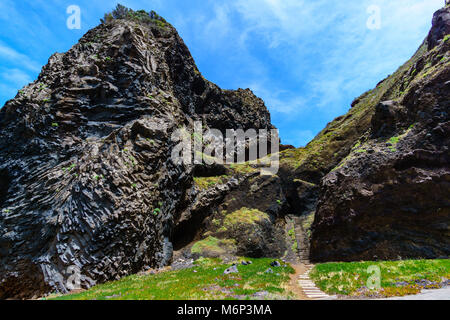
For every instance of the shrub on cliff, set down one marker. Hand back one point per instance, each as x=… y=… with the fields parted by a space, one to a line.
x=122 y=12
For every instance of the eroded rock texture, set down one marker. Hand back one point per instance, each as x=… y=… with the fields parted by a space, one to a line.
x=87 y=179
x=440 y=28
x=390 y=198
x=86 y=173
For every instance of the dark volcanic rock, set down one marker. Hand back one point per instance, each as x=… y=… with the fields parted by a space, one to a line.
x=246 y=213
x=86 y=177
x=440 y=28
x=390 y=198
x=88 y=188
x=376 y=179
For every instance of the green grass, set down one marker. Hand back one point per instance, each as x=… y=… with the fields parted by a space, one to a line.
x=291 y=233
x=242 y=168
x=213 y=247
x=207 y=283
x=245 y=216
x=393 y=141
x=204 y=183
x=348 y=278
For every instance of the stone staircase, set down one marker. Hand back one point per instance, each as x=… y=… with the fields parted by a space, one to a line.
x=309 y=287
x=302 y=240
x=304 y=281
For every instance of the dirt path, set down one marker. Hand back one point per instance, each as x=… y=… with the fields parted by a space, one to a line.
x=302 y=286
x=293 y=285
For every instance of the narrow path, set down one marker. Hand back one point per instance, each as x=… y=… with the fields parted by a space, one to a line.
x=301 y=284
x=293 y=283
x=309 y=287
x=303 y=287
x=302 y=240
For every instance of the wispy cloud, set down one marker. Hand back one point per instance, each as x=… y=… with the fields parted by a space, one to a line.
x=16 y=77
x=11 y=55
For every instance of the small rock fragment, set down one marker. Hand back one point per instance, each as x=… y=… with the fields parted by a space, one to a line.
x=275 y=264
x=232 y=269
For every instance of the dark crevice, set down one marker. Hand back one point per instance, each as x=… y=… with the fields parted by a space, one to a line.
x=422 y=159
x=5 y=181
x=188 y=231
x=205 y=171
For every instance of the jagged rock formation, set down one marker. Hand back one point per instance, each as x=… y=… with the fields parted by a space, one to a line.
x=440 y=27
x=376 y=178
x=86 y=174
x=389 y=198
x=87 y=180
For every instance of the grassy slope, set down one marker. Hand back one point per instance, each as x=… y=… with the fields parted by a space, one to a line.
x=207 y=283
x=351 y=278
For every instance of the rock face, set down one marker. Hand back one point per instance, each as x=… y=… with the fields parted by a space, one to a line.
x=246 y=213
x=390 y=198
x=86 y=176
x=440 y=28
x=89 y=190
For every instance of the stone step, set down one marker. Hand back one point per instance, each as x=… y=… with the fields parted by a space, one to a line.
x=316 y=294
x=309 y=287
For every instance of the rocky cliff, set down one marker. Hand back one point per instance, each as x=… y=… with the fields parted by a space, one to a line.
x=389 y=198
x=87 y=179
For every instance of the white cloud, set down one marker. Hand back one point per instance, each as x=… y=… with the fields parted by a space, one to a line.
x=279 y=100
x=18 y=58
x=16 y=77
x=349 y=56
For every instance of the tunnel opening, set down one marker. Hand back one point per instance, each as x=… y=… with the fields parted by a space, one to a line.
x=189 y=231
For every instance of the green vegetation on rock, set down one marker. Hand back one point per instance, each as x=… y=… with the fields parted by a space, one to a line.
x=332 y=145
x=140 y=16
x=245 y=216
x=212 y=246
x=393 y=141
x=204 y=183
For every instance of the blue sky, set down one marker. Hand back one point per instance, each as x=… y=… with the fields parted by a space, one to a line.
x=308 y=59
